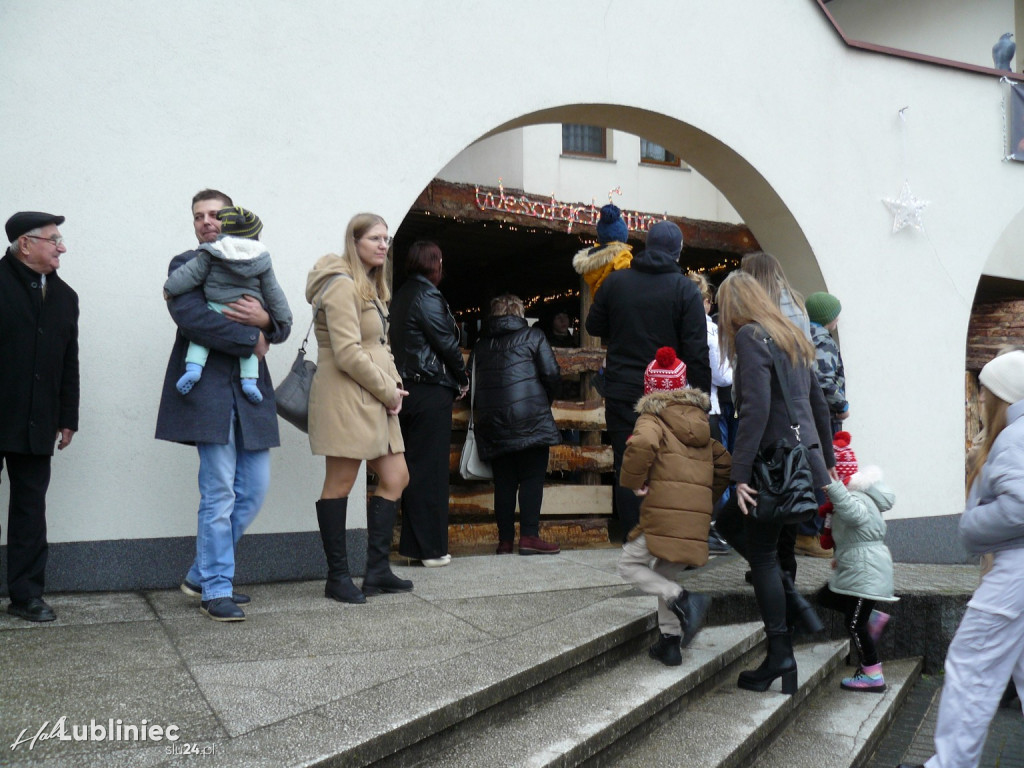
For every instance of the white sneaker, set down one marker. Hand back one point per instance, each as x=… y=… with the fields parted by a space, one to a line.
x=437 y=562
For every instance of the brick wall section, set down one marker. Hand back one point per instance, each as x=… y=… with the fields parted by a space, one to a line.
x=993 y=325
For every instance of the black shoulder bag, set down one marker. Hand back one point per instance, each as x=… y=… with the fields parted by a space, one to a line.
x=782 y=473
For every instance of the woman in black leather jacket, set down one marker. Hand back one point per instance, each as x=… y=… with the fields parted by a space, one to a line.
x=425 y=344
x=517 y=377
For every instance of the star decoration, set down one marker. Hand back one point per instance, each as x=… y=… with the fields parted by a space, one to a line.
x=906 y=210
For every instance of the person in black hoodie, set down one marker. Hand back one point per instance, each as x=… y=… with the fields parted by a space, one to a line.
x=517 y=378
x=638 y=310
x=425 y=343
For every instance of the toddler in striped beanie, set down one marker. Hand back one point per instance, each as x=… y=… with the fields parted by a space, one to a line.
x=233 y=266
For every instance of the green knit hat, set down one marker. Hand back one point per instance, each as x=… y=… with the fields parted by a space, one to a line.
x=823 y=307
x=238 y=222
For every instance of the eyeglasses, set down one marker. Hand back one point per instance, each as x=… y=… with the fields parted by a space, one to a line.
x=378 y=239
x=55 y=240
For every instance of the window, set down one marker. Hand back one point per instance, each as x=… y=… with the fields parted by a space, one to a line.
x=586 y=140
x=655 y=154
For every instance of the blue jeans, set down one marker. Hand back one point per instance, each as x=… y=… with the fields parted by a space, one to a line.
x=232 y=485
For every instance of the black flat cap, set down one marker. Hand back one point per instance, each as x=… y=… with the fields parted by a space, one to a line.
x=26 y=221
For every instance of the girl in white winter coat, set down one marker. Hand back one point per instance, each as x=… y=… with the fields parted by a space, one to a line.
x=988 y=648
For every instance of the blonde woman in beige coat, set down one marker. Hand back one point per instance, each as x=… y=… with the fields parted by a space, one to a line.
x=354 y=403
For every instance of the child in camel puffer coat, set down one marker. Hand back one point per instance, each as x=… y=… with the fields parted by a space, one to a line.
x=671 y=461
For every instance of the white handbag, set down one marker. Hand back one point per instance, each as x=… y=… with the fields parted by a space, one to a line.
x=471 y=466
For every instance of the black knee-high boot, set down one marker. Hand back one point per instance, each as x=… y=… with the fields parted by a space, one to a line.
x=778 y=663
x=331 y=515
x=380 y=523
x=799 y=612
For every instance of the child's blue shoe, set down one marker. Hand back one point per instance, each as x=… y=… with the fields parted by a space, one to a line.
x=193 y=373
x=251 y=391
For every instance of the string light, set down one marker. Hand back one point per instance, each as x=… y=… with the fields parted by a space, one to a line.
x=723 y=265
x=553 y=210
x=528 y=303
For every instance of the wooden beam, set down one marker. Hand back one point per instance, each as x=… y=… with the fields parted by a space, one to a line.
x=586 y=416
x=568 y=415
x=571 y=360
x=566 y=500
x=574 y=361
x=482 y=538
x=562 y=458
x=458 y=201
x=580 y=458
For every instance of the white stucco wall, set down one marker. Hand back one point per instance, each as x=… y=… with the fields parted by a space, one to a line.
x=1007 y=258
x=531 y=159
x=116 y=112
x=488 y=160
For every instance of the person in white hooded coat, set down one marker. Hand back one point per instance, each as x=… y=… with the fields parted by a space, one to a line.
x=988 y=648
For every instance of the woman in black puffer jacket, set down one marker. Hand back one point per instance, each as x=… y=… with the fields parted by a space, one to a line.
x=517 y=377
x=425 y=344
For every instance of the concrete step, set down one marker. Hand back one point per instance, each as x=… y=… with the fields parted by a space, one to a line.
x=607 y=712
x=403 y=719
x=727 y=726
x=842 y=729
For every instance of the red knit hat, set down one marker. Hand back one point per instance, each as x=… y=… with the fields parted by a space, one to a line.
x=846 y=459
x=665 y=372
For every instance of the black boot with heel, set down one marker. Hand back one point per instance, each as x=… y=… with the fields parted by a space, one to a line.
x=380 y=524
x=800 y=614
x=331 y=514
x=778 y=663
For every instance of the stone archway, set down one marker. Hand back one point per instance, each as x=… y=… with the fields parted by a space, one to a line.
x=768 y=217
x=580 y=504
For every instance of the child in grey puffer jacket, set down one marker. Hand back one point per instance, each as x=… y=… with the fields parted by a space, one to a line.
x=233 y=266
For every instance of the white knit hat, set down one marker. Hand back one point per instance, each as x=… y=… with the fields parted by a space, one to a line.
x=1003 y=376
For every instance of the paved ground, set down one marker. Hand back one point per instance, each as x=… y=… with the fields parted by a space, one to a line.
x=302 y=664
x=910 y=738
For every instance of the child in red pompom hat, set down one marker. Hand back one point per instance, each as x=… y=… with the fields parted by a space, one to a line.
x=863 y=565
x=671 y=461
x=665 y=372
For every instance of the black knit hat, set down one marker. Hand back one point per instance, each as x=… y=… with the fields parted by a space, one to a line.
x=239 y=222
x=26 y=221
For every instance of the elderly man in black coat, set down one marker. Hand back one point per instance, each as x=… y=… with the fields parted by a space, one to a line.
x=39 y=392
x=636 y=311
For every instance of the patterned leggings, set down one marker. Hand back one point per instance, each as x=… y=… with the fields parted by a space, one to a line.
x=856 y=611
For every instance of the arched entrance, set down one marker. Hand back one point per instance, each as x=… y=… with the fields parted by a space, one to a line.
x=491 y=249
x=997 y=315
